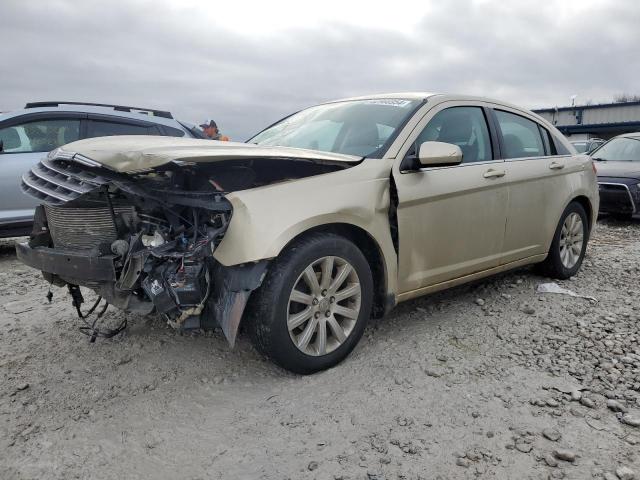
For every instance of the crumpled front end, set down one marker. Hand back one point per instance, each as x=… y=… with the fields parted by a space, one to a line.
x=142 y=241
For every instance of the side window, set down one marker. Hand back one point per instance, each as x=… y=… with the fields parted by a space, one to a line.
x=39 y=135
x=172 y=132
x=560 y=148
x=462 y=126
x=521 y=136
x=99 y=128
x=549 y=147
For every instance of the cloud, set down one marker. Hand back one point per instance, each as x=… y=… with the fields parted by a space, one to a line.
x=198 y=64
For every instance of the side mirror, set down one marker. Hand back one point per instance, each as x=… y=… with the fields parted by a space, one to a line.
x=439 y=154
x=1 y=146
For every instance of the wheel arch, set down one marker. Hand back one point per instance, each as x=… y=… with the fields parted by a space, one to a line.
x=552 y=265
x=585 y=203
x=588 y=208
x=382 y=301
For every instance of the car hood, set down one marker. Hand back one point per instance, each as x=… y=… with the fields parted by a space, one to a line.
x=611 y=168
x=134 y=153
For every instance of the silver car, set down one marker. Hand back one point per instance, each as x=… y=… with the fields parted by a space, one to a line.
x=26 y=135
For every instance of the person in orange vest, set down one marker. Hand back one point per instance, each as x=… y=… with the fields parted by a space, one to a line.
x=210 y=129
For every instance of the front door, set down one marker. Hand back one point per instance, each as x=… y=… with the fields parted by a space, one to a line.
x=451 y=220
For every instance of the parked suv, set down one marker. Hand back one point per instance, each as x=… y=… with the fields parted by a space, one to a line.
x=26 y=135
x=331 y=215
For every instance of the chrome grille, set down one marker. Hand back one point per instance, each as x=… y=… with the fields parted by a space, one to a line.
x=59 y=181
x=616 y=197
x=84 y=228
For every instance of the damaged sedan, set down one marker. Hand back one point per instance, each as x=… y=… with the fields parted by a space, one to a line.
x=324 y=219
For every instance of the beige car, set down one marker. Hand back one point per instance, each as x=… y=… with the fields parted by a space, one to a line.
x=332 y=215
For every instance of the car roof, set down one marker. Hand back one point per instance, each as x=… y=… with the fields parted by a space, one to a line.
x=170 y=122
x=441 y=96
x=398 y=95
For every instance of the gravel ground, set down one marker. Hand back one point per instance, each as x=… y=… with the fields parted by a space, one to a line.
x=490 y=380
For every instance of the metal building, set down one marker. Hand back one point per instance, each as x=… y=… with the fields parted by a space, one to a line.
x=605 y=120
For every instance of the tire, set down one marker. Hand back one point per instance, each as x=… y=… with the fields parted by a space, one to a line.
x=274 y=307
x=560 y=264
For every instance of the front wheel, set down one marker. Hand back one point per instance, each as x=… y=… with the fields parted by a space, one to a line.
x=314 y=304
x=569 y=244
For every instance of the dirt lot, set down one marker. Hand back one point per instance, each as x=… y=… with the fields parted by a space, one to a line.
x=491 y=380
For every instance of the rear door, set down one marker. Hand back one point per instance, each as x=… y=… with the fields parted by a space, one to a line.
x=451 y=220
x=26 y=140
x=107 y=125
x=537 y=179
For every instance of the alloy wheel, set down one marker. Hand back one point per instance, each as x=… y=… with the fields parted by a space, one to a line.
x=571 y=240
x=324 y=306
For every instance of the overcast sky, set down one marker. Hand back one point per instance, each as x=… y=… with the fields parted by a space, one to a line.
x=246 y=64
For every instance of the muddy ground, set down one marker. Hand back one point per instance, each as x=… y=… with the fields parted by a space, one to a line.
x=490 y=380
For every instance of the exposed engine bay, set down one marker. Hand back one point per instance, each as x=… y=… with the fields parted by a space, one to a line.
x=144 y=241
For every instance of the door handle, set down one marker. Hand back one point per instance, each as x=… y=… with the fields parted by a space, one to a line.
x=491 y=173
x=556 y=166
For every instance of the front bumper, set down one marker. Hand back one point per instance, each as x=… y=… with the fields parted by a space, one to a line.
x=68 y=264
x=617 y=197
x=230 y=289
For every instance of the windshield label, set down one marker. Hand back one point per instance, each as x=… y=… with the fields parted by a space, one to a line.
x=393 y=102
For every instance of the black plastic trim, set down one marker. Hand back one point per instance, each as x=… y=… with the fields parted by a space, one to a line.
x=17 y=229
x=492 y=123
x=70 y=264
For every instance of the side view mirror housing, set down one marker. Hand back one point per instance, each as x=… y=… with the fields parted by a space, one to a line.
x=436 y=154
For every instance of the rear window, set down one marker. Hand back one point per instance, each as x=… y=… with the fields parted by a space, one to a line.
x=172 y=132
x=560 y=148
x=521 y=136
x=98 y=128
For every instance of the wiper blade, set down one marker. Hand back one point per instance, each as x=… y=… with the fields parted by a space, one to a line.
x=598 y=159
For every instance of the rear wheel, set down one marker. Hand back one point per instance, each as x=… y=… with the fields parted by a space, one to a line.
x=569 y=243
x=314 y=304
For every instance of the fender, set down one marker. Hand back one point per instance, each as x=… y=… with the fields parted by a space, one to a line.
x=356 y=196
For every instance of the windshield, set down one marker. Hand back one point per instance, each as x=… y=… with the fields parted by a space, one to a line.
x=358 y=127
x=621 y=149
